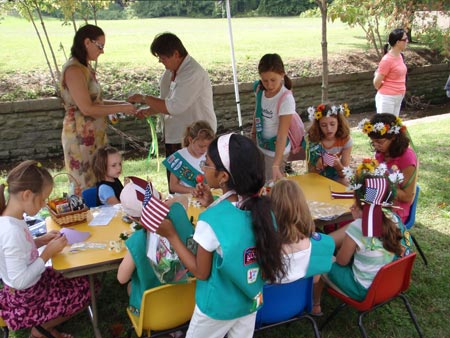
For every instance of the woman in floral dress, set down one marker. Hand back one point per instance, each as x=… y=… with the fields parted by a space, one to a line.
x=84 y=127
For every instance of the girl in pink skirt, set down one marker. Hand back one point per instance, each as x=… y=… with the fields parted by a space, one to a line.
x=33 y=295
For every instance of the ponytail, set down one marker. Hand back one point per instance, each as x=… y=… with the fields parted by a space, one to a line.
x=268 y=240
x=391 y=236
x=386 y=48
x=2 y=198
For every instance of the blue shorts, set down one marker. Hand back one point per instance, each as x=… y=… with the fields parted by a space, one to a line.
x=344 y=279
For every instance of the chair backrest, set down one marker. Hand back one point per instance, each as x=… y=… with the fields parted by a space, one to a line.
x=282 y=302
x=90 y=197
x=167 y=306
x=391 y=279
x=412 y=210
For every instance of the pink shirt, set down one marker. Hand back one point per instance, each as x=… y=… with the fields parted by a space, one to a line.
x=394 y=70
x=407 y=159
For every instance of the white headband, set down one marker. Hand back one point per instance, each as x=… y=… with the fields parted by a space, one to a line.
x=223 y=143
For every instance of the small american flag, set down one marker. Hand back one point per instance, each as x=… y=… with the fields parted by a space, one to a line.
x=375 y=190
x=139 y=185
x=328 y=159
x=154 y=210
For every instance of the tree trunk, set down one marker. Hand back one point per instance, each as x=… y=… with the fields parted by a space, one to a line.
x=323 y=11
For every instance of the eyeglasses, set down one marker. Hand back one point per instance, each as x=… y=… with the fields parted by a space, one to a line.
x=203 y=166
x=404 y=39
x=99 y=45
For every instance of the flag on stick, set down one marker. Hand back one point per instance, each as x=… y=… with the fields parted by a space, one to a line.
x=154 y=210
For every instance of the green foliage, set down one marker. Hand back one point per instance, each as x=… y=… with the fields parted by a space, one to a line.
x=283 y=7
x=190 y=8
x=113 y=12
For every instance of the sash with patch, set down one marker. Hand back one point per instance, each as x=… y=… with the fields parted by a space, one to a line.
x=182 y=169
x=322 y=249
x=268 y=144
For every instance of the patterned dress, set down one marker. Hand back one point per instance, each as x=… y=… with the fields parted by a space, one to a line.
x=81 y=135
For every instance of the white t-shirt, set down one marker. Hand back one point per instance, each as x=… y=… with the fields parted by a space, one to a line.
x=20 y=264
x=297 y=264
x=271 y=119
x=193 y=161
x=188 y=99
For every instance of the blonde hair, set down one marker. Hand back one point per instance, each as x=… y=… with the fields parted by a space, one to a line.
x=291 y=211
x=28 y=175
x=199 y=130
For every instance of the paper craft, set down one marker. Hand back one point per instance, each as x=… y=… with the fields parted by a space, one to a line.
x=103 y=215
x=74 y=236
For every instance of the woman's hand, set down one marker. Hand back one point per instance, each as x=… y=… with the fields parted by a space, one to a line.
x=129 y=108
x=136 y=98
x=143 y=113
x=203 y=194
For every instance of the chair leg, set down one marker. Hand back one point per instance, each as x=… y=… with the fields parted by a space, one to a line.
x=419 y=249
x=411 y=314
x=5 y=332
x=314 y=324
x=360 y=324
x=332 y=315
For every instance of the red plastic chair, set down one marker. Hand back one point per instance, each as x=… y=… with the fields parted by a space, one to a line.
x=390 y=282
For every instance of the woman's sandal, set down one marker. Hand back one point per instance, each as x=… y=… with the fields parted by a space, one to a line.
x=318 y=312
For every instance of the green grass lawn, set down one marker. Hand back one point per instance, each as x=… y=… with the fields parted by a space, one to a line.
x=128 y=41
x=428 y=291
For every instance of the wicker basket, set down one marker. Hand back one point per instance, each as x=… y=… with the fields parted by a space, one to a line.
x=72 y=217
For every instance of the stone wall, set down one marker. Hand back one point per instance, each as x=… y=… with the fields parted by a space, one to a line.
x=32 y=129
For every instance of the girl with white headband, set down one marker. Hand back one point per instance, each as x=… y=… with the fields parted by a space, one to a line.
x=238 y=245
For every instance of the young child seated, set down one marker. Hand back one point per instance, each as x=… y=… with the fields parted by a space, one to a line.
x=185 y=164
x=107 y=167
x=328 y=142
x=374 y=239
x=305 y=251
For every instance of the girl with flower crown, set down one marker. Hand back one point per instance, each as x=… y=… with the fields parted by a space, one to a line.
x=375 y=238
x=391 y=142
x=328 y=142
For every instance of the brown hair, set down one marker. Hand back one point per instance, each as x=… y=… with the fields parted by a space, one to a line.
x=390 y=235
x=100 y=161
x=200 y=130
x=273 y=63
x=291 y=211
x=343 y=130
x=28 y=175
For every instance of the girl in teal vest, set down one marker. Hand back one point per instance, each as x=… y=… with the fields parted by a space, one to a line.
x=275 y=106
x=238 y=245
x=184 y=164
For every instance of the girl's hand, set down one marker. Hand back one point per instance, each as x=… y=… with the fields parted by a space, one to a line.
x=203 y=194
x=319 y=165
x=276 y=173
x=166 y=229
x=136 y=98
x=54 y=247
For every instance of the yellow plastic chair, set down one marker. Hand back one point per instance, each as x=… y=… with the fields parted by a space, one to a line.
x=164 y=309
x=4 y=328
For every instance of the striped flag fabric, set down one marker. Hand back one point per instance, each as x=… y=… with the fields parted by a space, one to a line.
x=328 y=159
x=154 y=210
x=139 y=185
x=375 y=190
x=342 y=195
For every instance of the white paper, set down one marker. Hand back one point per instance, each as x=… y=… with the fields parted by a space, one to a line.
x=103 y=215
x=152 y=246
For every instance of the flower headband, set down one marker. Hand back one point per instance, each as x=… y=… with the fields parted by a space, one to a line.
x=376 y=186
x=381 y=128
x=317 y=114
